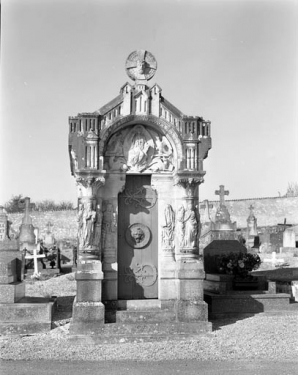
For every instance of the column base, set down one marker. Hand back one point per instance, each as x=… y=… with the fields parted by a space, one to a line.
x=87 y=319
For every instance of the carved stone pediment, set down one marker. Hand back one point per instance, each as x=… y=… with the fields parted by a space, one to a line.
x=138 y=149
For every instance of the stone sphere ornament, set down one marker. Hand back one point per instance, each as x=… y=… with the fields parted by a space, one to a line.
x=141 y=65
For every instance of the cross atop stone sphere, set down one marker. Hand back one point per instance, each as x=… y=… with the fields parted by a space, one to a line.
x=222 y=192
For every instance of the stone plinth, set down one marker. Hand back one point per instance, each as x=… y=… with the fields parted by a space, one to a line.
x=88 y=310
x=29 y=316
x=7 y=272
x=11 y=293
x=218 y=283
x=189 y=304
x=245 y=303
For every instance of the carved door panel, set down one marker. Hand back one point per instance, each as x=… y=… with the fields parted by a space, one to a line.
x=137 y=242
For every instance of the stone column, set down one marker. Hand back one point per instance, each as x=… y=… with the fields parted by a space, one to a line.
x=189 y=273
x=88 y=310
x=166 y=238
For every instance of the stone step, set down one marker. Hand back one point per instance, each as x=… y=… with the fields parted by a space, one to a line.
x=140 y=332
x=30 y=315
x=143 y=304
x=246 y=303
x=145 y=316
x=22 y=328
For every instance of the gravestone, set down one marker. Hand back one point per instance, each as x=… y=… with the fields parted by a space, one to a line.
x=48 y=237
x=252 y=231
x=18 y=314
x=222 y=227
x=27 y=237
x=12 y=288
x=289 y=238
x=217 y=248
x=138 y=164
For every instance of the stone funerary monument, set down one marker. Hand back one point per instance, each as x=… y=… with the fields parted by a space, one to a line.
x=138 y=164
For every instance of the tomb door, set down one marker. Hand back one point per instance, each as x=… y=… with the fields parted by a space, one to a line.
x=137 y=242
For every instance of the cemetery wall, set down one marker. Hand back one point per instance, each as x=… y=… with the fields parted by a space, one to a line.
x=64 y=222
x=268 y=211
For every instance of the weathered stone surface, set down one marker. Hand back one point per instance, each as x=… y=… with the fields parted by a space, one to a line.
x=218 y=283
x=191 y=311
x=65 y=223
x=140 y=332
x=11 y=293
x=246 y=303
x=268 y=211
x=8 y=272
x=28 y=309
x=87 y=317
x=17 y=259
x=28 y=316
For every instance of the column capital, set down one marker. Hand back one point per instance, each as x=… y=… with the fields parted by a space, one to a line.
x=189 y=181
x=89 y=183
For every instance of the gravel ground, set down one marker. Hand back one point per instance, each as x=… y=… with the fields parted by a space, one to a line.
x=258 y=337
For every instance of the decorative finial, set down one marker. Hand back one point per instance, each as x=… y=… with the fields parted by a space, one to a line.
x=140 y=65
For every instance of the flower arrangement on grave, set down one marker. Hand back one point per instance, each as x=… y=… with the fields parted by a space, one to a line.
x=238 y=264
x=36 y=276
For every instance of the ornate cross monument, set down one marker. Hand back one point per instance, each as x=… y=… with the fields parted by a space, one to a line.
x=222 y=192
x=138 y=164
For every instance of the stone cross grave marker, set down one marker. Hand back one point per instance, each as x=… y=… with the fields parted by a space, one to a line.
x=222 y=192
x=273 y=259
x=3 y=224
x=206 y=206
x=35 y=256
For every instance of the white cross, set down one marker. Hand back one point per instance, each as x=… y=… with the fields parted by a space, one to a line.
x=273 y=260
x=35 y=256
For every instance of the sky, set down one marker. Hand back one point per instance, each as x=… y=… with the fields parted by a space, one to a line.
x=232 y=62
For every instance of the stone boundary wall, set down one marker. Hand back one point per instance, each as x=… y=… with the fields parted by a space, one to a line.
x=268 y=211
x=64 y=222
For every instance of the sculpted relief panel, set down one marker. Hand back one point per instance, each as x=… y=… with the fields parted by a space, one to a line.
x=138 y=149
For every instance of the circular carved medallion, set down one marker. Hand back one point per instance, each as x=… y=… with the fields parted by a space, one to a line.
x=142 y=274
x=140 y=65
x=137 y=235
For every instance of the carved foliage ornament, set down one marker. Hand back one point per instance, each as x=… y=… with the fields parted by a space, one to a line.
x=143 y=274
x=144 y=196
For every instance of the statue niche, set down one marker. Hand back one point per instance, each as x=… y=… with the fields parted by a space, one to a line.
x=138 y=149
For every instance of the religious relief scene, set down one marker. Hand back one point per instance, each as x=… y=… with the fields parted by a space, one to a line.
x=138 y=149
